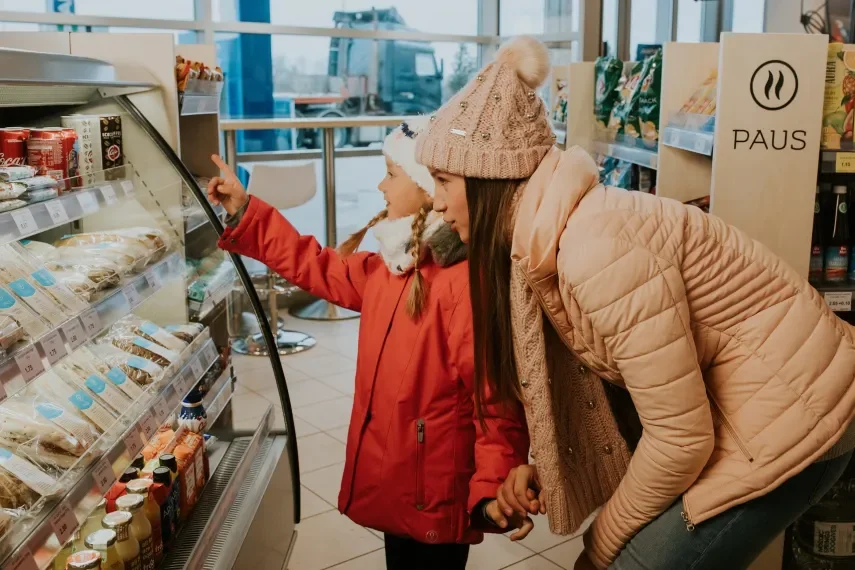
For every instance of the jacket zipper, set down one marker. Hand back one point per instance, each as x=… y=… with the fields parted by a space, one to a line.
x=420 y=470
x=687 y=515
x=725 y=421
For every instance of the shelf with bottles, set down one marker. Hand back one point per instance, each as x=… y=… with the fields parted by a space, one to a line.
x=46 y=525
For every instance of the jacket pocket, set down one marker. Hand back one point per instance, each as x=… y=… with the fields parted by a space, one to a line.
x=725 y=421
x=420 y=464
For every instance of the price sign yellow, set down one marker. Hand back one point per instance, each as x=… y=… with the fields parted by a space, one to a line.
x=845 y=162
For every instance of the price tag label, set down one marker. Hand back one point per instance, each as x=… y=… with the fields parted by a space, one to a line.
x=88 y=202
x=160 y=409
x=57 y=212
x=23 y=560
x=109 y=194
x=132 y=295
x=29 y=363
x=133 y=442
x=148 y=425
x=128 y=187
x=839 y=300
x=74 y=334
x=196 y=368
x=63 y=522
x=91 y=322
x=845 y=162
x=103 y=475
x=53 y=347
x=152 y=279
x=210 y=353
x=172 y=398
x=25 y=221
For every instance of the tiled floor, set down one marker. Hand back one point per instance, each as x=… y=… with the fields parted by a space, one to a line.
x=320 y=385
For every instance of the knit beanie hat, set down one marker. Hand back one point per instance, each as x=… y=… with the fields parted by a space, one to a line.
x=496 y=126
x=400 y=147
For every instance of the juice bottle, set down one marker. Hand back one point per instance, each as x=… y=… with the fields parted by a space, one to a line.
x=816 y=250
x=140 y=527
x=142 y=487
x=84 y=560
x=93 y=521
x=168 y=503
x=126 y=542
x=837 y=250
x=104 y=541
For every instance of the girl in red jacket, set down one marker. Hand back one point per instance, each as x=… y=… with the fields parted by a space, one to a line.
x=419 y=466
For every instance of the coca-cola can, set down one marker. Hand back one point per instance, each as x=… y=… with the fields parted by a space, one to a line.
x=13 y=146
x=72 y=153
x=46 y=153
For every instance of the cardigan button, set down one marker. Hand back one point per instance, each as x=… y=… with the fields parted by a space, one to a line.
x=524 y=383
x=591 y=404
x=607 y=449
x=233 y=240
x=583 y=370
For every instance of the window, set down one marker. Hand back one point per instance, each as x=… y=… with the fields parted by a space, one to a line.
x=748 y=16
x=429 y=17
x=642 y=24
x=160 y=9
x=689 y=20
x=545 y=16
x=425 y=65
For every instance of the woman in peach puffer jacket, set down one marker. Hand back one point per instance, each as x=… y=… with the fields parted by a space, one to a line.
x=740 y=379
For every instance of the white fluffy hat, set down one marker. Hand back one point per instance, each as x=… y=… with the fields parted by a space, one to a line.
x=400 y=147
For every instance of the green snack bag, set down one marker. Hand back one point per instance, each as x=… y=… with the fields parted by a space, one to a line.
x=624 y=119
x=650 y=101
x=607 y=75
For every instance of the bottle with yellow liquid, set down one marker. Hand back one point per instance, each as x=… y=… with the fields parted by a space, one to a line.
x=140 y=527
x=104 y=541
x=126 y=544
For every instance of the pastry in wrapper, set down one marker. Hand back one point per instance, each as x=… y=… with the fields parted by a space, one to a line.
x=11 y=332
x=14 y=494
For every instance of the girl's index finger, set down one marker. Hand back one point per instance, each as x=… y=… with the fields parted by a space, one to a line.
x=221 y=164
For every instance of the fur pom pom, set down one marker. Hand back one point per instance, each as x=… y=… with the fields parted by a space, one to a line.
x=529 y=57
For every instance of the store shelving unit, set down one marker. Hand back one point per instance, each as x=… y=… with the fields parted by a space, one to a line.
x=635 y=155
x=149 y=190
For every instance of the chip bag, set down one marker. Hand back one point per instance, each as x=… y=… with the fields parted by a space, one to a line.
x=650 y=101
x=607 y=76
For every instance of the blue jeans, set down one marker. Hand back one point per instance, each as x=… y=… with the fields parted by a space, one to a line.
x=734 y=538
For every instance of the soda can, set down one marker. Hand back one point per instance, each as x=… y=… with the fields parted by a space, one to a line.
x=13 y=146
x=72 y=153
x=45 y=152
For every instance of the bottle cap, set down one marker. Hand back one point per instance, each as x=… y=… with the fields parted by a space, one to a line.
x=116 y=519
x=130 y=502
x=162 y=475
x=138 y=463
x=139 y=486
x=101 y=539
x=168 y=460
x=84 y=560
x=129 y=475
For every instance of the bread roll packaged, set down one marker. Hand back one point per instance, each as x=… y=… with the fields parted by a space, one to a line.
x=187 y=332
x=31 y=323
x=132 y=325
x=93 y=384
x=87 y=359
x=143 y=372
x=20 y=264
x=79 y=400
x=22 y=484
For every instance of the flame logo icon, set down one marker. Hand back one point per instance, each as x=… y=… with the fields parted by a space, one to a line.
x=774 y=85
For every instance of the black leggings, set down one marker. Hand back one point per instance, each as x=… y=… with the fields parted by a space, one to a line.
x=408 y=554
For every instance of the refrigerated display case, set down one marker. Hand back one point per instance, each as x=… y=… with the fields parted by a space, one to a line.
x=117 y=312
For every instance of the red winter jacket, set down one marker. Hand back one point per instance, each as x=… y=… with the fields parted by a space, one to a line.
x=417 y=459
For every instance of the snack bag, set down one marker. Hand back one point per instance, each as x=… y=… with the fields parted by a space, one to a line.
x=649 y=102
x=607 y=76
x=626 y=110
x=838 y=112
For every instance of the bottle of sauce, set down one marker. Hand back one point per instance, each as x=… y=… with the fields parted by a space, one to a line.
x=168 y=460
x=126 y=543
x=837 y=250
x=104 y=541
x=142 y=487
x=140 y=527
x=168 y=503
x=84 y=560
x=815 y=272
x=130 y=474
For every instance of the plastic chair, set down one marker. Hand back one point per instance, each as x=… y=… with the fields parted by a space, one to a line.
x=283 y=187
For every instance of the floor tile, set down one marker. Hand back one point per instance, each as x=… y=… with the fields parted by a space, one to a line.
x=319 y=450
x=541 y=538
x=343 y=382
x=373 y=561
x=303 y=393
x=347 y=345
x=534 y=563
x=566 y=554
x=292 y=376
x=248 y=405
x=340 y=433
x=327 y=415
x=496 y=552
x=304 y=428
x=323 y=364
x=314 y=549
x=325 y=482
x=311 y=504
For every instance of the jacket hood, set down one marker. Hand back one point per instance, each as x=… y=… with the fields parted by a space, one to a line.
x=552 y=193
x=445 y=246
x=396 y=242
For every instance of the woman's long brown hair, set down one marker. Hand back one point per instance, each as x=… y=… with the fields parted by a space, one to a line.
x=490 y=229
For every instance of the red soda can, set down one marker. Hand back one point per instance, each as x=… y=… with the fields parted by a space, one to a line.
x=13 y=146
x=70 y=148
x=45 y=152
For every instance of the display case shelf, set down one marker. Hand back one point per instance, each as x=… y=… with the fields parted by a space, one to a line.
x=689 y=140
x=195 y=219
x=101 y=315
x=37 y=540
x=201 y=97
x=69 y=207
x=639 y=156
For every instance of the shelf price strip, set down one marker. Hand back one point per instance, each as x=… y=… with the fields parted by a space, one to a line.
x=53 y=347
x=839 y=300
x=63 y=521
x=133 y=442
x=29 y=363
x=57 y=212
x=109 y=195
x=25 y=221
x=103 y=475
x=74 y=333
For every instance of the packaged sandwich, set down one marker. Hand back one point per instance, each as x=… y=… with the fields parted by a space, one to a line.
x=135 y=341
x=187 y=332
x=32 y=324
x=8 y=205
x=22 y=484
x=100 y=269
x=607 y=75
x=12 y=173
x=81 y=402
x=87 y=359
x=92 y=383
x=143 y=372
x=11 y=332
x=132 y=325
x=45 y=279
x=142 y=245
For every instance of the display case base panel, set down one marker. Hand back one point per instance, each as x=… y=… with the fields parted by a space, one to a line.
x=287 y=342
x=324 y=311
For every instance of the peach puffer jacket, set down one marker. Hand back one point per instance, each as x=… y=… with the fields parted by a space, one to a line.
x=740 y=374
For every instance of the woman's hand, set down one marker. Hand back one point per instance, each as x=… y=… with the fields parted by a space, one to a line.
x=519 y=493
x=226 y=189
x=521 y=522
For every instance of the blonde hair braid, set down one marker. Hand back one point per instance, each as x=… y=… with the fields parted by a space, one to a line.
x=351 y=244
x=418 y=290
